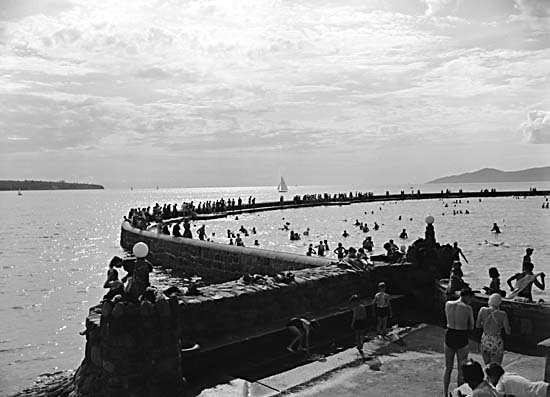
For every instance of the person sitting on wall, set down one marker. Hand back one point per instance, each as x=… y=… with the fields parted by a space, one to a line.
x=116 y=287
x=456 y=284
x=137 y=279
x=494 y=285
x=310 y=250
x=300 y=329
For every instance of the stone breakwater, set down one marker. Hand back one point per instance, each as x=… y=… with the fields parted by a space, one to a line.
x=135 y=349
x=214 y=261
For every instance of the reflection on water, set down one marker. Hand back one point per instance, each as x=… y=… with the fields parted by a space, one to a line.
x=55 y=246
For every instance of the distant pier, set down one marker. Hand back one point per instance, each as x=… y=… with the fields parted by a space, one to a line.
x=359 y=197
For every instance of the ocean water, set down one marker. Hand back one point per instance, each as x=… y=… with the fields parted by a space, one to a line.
x=55 y=247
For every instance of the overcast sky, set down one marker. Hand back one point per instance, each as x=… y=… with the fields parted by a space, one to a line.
x=211 y=93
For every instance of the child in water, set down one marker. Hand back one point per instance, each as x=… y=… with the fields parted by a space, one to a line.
x=382 y=309
x=358 y=322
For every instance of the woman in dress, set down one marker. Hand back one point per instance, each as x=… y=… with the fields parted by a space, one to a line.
x=493 y=321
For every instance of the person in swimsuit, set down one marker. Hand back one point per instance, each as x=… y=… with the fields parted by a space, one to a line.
x=457 y=253
x=382 y=309
x=340 y=251
x=358 y=322
x=493 y=321
x=526 y=291
x=300 y=328
x=460 y=320
x=527 y=257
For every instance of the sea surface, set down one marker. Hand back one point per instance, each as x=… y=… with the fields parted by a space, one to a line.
x=55 y=247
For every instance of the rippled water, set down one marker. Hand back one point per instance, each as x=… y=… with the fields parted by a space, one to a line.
x=55 y=246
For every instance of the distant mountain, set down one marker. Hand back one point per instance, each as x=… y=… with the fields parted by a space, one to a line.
x=46 y=185
x=486 y=175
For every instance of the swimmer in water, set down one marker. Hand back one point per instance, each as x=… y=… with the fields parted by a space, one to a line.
x=404 y=234
x=495 y=228
x=345 y=234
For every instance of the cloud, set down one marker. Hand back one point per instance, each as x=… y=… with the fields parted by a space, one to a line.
x=244 y=76
x=441 y=7
x=153 y=73
x=537 y=127
x=535 y=8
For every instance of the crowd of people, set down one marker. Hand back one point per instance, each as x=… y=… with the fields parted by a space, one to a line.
x=492 y=321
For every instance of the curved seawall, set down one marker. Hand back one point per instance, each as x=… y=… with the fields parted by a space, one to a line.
x=214 y=261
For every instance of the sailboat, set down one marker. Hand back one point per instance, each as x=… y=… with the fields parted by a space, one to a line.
x=282 y=188
x=19 y=192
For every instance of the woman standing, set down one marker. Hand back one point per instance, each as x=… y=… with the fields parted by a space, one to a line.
x=493 y=321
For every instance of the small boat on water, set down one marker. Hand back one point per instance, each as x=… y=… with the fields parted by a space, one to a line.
x=282 y=188
x=530 y=322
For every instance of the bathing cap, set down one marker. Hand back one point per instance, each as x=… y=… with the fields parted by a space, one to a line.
x=495 y=300
x=140 y=250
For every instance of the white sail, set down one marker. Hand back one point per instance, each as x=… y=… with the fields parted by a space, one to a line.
x=282 y=186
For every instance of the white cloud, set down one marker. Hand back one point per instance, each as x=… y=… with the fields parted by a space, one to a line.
x=174 y=76
x=537 y=127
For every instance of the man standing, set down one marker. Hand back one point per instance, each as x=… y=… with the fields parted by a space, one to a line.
x=460 y=320
x=457 y=253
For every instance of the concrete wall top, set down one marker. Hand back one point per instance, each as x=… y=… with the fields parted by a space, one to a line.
x=306 y=261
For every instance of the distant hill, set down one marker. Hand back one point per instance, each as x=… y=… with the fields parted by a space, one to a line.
x=46 y=185
x=486 y=175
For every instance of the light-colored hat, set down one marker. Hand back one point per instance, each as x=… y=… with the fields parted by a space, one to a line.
x=495 y=300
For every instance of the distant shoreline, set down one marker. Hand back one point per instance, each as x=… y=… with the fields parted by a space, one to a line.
x=12 y=185
x=492 y=175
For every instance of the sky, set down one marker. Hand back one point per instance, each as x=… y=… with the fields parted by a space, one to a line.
x=190 y=93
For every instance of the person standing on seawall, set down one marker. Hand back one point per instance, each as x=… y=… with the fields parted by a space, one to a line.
x=457 y=253
x=460 y=320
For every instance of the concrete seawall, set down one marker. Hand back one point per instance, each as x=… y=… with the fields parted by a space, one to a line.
x=299 y=203
x=216 y=262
